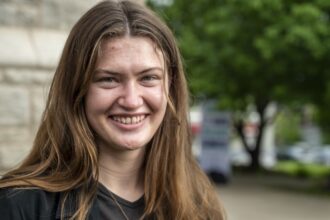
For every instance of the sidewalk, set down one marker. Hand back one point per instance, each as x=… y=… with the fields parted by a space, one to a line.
x=250 y=199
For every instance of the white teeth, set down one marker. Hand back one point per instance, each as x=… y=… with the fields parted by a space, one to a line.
x=129 y=120
x=134 y=120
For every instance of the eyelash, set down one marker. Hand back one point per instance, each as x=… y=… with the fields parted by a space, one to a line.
x=108 y=79
x=149 y=78
x=112 y=81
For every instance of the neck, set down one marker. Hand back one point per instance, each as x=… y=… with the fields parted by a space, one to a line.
x=122 y=172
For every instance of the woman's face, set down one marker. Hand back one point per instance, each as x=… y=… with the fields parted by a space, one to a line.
x=126 y=100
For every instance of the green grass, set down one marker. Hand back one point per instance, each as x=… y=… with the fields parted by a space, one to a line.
x=293 y=168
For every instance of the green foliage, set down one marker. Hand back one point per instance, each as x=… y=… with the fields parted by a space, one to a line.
x=323 y=117
x=287 y=128
x=294 y=168
x=238 y=50
x=253 y=52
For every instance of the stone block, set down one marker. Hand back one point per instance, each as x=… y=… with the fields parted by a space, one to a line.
x=48 y=46
x=23 y=14
x=2 y=76
x=31 y=47
x=39 y=98
x=27 y=15
x=8 y=12
x=26 y=1
x=50 y=14
x=14 y=106
x=16 y=47
x=73 y=10
x=11 y=134
x=28 y=76
x=12 y=155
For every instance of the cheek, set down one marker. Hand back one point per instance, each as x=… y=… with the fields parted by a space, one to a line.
x=156 y=98
x=97 y=99
x=91 y=101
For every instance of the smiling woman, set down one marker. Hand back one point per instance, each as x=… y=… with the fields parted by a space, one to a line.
x=126 y=102
x=114 y=141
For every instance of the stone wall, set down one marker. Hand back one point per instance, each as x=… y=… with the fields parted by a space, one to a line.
x=32 y=35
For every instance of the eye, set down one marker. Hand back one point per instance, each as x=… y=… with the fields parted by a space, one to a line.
x=107 y=81
x=149 y=78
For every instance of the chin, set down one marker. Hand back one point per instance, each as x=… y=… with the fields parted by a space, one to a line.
x=133 y=146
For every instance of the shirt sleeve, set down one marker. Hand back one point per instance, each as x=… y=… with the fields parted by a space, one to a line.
x=9 y=208
x=28 y=204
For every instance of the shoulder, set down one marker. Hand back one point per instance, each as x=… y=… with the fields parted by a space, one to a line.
x=16 y=203
x=20 y=195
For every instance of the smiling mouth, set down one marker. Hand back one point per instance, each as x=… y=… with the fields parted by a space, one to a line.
x=128 y=120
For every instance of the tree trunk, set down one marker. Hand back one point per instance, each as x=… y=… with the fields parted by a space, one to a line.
x=255 y=161
x=253 y=150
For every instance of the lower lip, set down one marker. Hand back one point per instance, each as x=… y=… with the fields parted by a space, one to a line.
x=128 y=127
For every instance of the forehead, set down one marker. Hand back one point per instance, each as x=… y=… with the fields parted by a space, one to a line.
x=117 y=43
x=129 y=49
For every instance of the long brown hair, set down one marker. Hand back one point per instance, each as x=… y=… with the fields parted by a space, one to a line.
x=64 y=156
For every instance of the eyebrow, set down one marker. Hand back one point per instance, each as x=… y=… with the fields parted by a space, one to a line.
x=111 y=72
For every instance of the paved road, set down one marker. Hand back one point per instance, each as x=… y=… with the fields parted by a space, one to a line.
x=244 y=199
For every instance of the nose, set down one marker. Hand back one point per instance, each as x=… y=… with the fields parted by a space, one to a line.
x=131 y=97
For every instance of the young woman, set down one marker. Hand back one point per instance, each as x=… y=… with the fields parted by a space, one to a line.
x=114 y=140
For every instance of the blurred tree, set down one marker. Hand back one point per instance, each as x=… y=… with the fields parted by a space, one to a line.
x=287 y=128
x=253 y=52
x=323 y=113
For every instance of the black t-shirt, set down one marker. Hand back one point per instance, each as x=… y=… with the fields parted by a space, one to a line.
x=37 y=204
x=109 y=210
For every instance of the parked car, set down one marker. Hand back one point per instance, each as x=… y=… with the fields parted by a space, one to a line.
x=306 y=154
